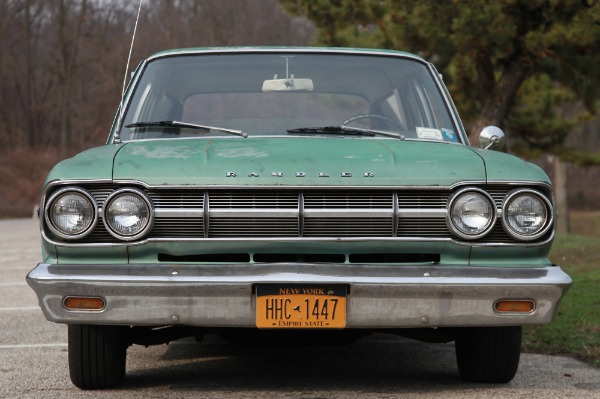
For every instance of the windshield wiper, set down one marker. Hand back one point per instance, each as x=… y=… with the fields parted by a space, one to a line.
x=187 y=125
x=344 y=130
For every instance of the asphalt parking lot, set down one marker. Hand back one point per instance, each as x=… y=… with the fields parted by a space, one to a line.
x=33 y=359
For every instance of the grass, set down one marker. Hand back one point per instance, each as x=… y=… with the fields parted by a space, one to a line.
x=576 y=326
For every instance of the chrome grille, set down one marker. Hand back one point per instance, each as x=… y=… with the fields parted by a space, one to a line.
x=253 y=227
x=253 y=199
x=178 y=227
x=419 y=227
x=348 y=200
x=100 y=234
x=197 y=213
x=182 y=199
x=420 y=199
x=345 y=227
x=101 y=192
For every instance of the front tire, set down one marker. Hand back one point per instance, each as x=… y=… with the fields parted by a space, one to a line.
x=97 y=355
x=489 y=354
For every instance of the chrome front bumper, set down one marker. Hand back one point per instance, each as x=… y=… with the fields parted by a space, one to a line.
x=223 y=295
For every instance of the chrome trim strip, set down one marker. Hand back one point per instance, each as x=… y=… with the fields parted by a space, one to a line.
x=301 y=215
x=302 y=187
x=334 y=187
x=259 y=240
x=221 y=295
x=205 y=216
x=254 y=213
x=308 y=213
x=178 y=213
x=309 y=188
x=395 y=217
x=297 y=50
x=351 y=213
x=422 y=213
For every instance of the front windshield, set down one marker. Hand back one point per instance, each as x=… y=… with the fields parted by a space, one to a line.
x=275 y=94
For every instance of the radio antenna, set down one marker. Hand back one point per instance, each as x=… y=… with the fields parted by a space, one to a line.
x=117 y=136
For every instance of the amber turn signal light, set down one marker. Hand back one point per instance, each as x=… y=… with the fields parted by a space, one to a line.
x=83 y=303
x=514 y=306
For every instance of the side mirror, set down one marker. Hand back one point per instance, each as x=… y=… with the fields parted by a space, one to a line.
x=491 y=136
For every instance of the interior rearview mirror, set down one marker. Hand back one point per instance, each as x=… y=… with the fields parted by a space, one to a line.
x=291 y=84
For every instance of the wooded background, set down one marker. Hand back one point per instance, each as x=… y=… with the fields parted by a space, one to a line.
x=528 y=66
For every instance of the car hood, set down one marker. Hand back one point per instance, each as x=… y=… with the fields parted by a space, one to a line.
x=297 y=162
x=294 y=162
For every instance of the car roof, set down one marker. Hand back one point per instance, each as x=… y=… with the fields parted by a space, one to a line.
x=306 y=50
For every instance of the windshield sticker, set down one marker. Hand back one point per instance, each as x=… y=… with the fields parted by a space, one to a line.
x=429 y=134
x=449 y=135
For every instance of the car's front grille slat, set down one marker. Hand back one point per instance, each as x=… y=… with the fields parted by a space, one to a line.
x=253 y=227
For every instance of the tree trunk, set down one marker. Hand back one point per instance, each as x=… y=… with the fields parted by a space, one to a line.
x=497 y=104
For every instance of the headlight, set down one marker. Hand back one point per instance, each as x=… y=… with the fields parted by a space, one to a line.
x=128 y=214
x=471 y=213
x=526 y=215
x=71 y=213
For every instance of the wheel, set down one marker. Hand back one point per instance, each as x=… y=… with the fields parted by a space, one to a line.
x=489 y=354
x=371 y=116
x=97 y=355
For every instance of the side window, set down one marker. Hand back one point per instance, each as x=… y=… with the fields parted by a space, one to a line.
x=405 y=104
x=393 y=107
x=415 y=104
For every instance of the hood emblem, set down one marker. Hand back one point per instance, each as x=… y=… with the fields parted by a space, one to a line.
x=300 y=174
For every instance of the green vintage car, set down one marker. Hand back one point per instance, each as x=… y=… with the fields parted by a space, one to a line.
x=308 y=191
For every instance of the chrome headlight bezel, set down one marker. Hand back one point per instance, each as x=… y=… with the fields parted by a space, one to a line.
x=456 y=230
x=51 y=222
x=549 y=220
x=149 y=209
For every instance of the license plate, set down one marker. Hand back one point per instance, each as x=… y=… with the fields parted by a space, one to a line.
x=301 y=306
